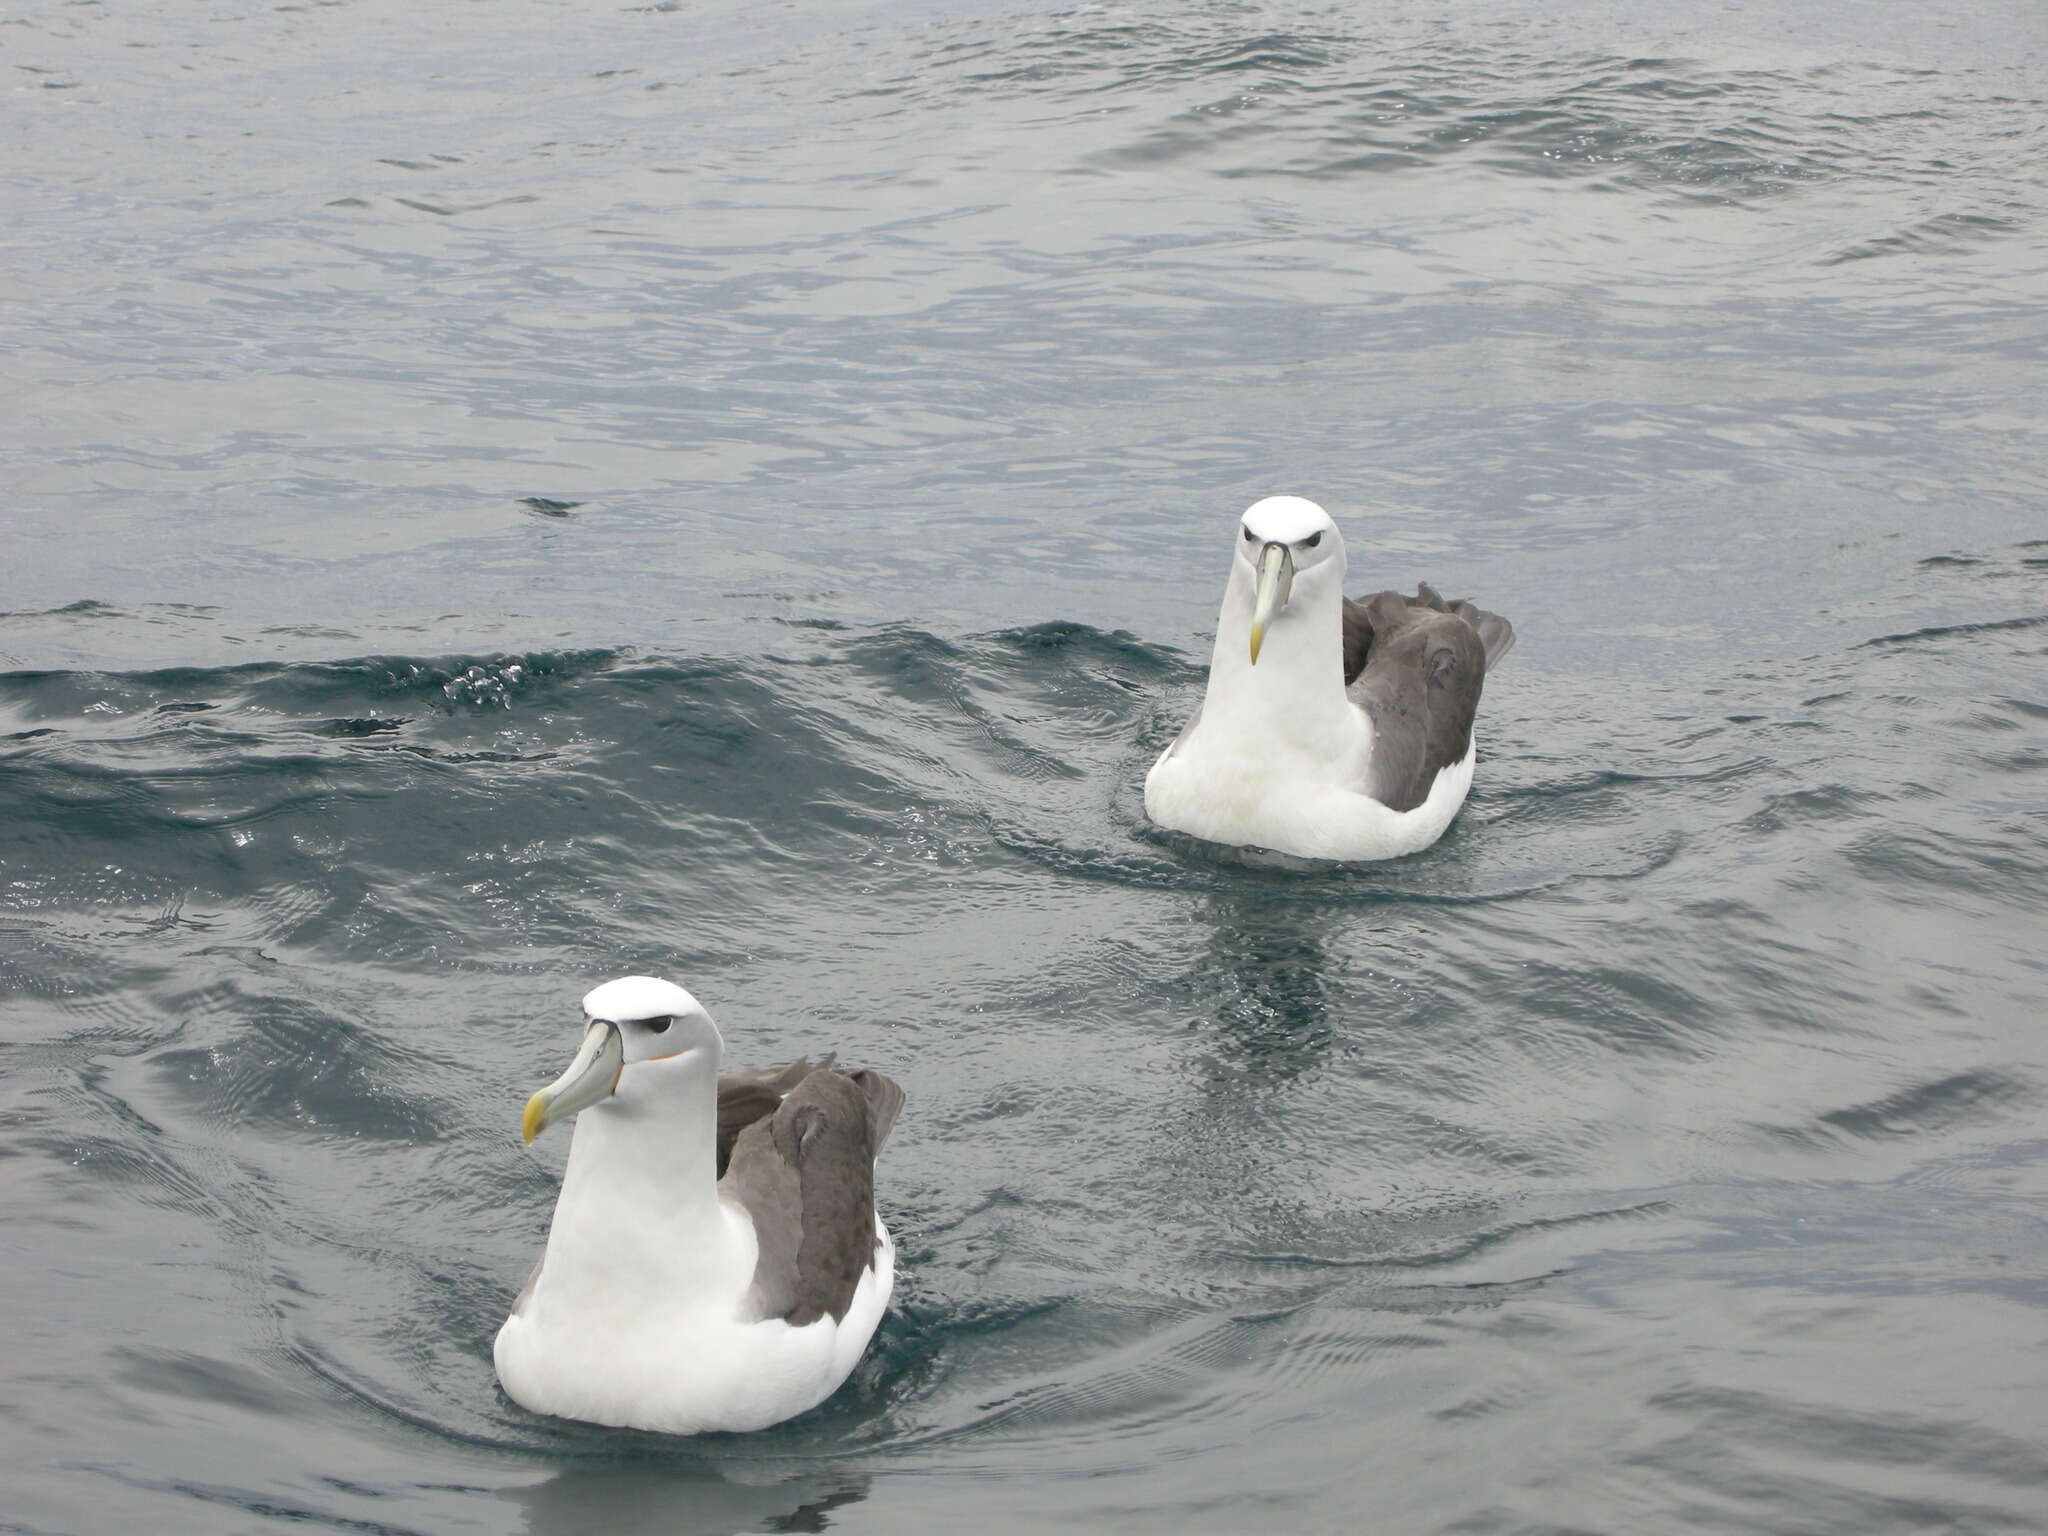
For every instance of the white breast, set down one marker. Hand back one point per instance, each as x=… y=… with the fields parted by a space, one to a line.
x=681 y=1364
x=1219 y=788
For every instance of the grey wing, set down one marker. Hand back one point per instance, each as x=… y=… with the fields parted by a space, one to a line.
x=1357 y=638
x=751 y=1092
x=1420 y=680
x=1496 y=634
x=805 y=1175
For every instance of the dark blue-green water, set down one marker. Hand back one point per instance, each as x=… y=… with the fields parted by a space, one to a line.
x=509 y=494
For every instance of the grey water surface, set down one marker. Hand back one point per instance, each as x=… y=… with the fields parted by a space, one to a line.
x=505 y=494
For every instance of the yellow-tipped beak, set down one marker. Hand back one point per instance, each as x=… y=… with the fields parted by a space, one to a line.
x=535 y=1120
x=591 y=1076
x=1276 y=580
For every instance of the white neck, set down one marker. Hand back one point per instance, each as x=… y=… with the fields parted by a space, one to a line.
x=639 y=1210
x=1295 y=696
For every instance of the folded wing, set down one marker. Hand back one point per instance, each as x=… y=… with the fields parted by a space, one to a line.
x=803 y=1169
x=1416 y=666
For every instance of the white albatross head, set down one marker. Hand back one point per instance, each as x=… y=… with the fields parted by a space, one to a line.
x=627 y=1022
x=1282 y=540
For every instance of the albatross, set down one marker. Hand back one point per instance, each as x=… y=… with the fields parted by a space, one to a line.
x=715 y=1260
x=1331 y=729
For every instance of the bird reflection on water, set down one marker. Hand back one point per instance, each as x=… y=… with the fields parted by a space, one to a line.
x=680 y=1497
x=1264 y=977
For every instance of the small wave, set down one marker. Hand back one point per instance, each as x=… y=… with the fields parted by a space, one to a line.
x=1959 y=631
x=1931 y=1107
x=297 y=687
x=1066 y=59
x=294 y=1067
x=1731 y=1420
x=1930 y=237
x=85 y=607
x=1324 y=104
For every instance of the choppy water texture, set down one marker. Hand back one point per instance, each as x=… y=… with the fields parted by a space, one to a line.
x=510 y=494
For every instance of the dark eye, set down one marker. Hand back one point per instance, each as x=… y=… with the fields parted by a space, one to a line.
x=1247 y=535
x=1313 y=540
x=658 y=1025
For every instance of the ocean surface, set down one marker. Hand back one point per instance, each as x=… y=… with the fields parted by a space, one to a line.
x=503 y=495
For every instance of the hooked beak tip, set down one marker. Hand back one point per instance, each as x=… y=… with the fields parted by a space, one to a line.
x=535 y=1120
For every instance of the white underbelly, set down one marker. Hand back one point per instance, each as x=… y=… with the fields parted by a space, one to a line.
x=1308 y=810
x=683 y=1367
